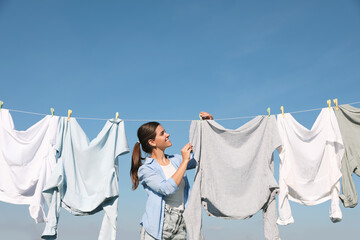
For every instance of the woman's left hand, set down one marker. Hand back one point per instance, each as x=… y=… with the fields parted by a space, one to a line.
x=206 y=116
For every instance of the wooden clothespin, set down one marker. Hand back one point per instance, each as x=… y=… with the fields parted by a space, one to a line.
x=268 y=110
x=336 y=103
x=69 y=114
x=117 y=115
x=1 y=104
x=282 y=111
x=329 y=104
x=52 y=111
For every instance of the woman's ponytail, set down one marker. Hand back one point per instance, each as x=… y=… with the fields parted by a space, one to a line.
x=135 y=164
x=145 y=132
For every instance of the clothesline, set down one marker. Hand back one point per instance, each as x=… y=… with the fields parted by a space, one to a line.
x=170 y=120
x=255 y=146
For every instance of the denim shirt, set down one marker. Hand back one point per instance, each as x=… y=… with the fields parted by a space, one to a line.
x=152 y=177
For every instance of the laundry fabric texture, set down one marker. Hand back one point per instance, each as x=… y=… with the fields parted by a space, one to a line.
x=234 y=177
x=158 y=187
x=348 y=118
x=26 y=161
x=310 y=162
x=85 y=178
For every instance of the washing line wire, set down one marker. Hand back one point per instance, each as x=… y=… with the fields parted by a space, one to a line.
x=32 y=113
x=173 y=120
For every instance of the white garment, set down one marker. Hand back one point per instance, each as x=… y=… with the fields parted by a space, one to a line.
x=27 y=159
x=175 y=200
x=310 y=162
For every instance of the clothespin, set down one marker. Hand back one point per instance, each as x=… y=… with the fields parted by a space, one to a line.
x=329 y=104
x=116 y=115
x=200 y=117
x=69 y=114
x=1 y=104
x=282 y=111
x=336 y=103
x=52 y=111
x=268 y=110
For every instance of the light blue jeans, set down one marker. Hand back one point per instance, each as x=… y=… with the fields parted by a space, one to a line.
x=174 y=226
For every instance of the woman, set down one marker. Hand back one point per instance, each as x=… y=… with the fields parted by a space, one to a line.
x=164 y=180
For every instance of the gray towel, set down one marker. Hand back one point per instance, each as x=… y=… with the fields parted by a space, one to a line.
x=348 y=118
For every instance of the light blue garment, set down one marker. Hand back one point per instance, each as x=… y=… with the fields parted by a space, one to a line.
x=85 y=179
x=152 y=178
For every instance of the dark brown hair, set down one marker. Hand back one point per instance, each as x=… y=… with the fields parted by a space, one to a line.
x=145 y=132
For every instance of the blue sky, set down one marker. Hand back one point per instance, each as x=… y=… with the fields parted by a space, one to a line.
x=171 y=60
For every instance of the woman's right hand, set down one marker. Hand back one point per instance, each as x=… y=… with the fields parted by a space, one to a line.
x=185 y=152
x=206 y=116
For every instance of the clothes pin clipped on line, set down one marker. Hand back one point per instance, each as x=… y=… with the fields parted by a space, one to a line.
x=200 y=117
x=69 y=114
x=1 y=104
x=117 y=115
x=52 y=111
x=282 y=111
x=329 y=104
x=268 y=110
x=336 y=103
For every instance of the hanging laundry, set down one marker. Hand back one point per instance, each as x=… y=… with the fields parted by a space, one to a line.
x=26 y=161
x=234 y=177
x=85 y=178
x=310 y=163
x=348 y=118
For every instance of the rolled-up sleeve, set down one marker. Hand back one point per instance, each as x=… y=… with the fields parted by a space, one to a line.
x=156 y=182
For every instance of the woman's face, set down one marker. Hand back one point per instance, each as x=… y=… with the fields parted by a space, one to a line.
x=162 y=140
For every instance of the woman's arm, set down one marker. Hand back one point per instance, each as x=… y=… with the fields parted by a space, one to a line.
x=152 y=179
x=160 y=185
x=179 y=174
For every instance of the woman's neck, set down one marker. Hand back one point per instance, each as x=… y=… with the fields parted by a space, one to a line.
x=159 y=156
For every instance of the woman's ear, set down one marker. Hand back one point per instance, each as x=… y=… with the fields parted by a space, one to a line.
x=152 y=142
